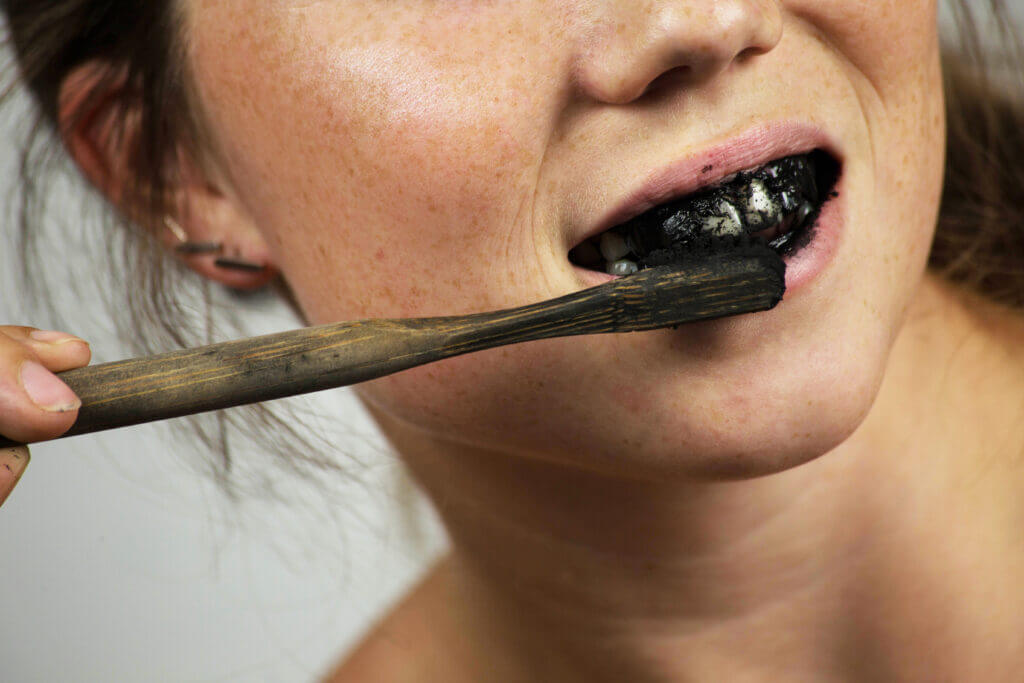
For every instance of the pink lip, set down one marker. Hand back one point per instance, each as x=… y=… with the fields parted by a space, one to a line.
x=754 y=148
x=749 y=150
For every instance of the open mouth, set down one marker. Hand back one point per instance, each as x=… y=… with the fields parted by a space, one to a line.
x=778 y=202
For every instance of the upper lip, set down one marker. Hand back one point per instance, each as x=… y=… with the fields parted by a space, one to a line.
x=749 y=150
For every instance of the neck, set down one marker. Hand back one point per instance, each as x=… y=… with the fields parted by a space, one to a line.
x=838 y=568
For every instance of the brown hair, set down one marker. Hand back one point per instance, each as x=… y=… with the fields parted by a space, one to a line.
x=979 y=242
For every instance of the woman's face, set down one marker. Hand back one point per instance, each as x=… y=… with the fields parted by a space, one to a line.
x=436 y=157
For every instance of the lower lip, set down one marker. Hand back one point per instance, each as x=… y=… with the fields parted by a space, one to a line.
x=802 y=266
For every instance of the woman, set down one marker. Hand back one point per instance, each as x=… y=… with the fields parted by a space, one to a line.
x=826 y=491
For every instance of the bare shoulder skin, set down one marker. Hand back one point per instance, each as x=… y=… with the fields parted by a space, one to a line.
x=399 y=648
x=420 y=640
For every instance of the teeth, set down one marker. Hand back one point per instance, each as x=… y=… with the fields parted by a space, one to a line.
x=761 y=208
x=770 y=201
x=721 y=226
x=613 y=246
x=622 y=267
x=759 y=201
x=732 y=215
x=781 y=228
x=806 y=209
x=727 y=222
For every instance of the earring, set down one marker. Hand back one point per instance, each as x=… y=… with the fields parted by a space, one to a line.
x=236 y=264
x=187 y=248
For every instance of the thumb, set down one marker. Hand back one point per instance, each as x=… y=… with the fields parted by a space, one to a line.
x=13 y=462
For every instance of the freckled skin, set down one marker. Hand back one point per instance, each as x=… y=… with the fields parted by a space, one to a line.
x=403 y=159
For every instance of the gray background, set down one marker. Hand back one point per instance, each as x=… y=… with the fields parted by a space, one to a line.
x=121 y=563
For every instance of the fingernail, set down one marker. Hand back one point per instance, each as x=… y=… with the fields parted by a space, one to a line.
x=53 y=337
x=46 y=389
x=13 y=462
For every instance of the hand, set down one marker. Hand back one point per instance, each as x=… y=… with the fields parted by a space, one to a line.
x=34 y=404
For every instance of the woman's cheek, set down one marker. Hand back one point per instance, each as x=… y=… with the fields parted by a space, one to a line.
x=384 y=162
x=889 y=53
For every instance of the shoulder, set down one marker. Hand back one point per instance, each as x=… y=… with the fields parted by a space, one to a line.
x=408 y=645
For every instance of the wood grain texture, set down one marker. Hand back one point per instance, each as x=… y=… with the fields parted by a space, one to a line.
x=273 y=366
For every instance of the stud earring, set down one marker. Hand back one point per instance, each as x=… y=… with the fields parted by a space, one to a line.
x=187 y=248
x=184 y=246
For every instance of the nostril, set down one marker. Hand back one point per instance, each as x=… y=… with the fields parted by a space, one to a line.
x=749 y=53
x=673 y=78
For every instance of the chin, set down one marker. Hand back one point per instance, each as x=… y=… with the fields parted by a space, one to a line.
x=721 y=443
x=768 y=423
x=760 y=447
x=732 y=420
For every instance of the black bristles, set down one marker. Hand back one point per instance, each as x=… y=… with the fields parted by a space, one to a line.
x=705 y=245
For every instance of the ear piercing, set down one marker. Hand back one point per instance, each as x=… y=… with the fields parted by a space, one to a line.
x=188 y=248
x=237 y=264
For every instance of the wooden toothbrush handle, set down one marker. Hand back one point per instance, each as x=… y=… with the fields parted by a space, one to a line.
x=273 y=366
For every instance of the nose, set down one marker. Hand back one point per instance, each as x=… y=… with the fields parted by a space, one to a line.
x=627 y=45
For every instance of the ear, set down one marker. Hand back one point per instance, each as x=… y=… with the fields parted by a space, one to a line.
x=100 y=124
